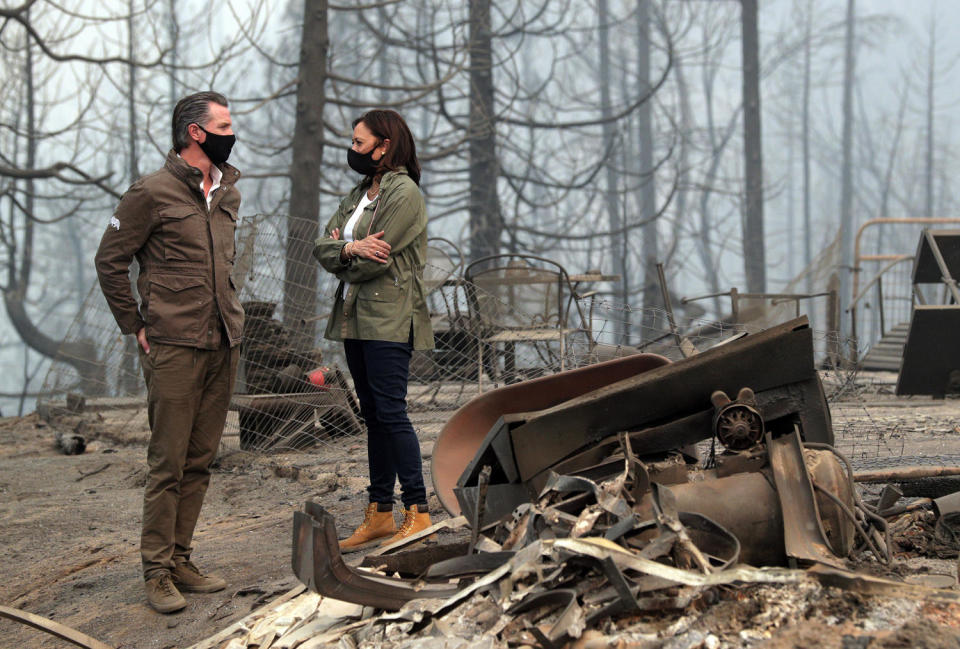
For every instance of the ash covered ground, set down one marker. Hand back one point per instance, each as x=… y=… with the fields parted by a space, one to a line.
x=70 y=534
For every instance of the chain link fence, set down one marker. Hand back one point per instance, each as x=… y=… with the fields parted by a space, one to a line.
x=293 y=396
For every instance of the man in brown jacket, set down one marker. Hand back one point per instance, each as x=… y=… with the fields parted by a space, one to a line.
x=179 y=224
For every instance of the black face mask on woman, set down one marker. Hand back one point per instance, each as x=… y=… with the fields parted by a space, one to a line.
x=217 y=147
x=363 y=163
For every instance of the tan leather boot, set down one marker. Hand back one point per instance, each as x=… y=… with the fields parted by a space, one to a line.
x=413 y=521
x=162 y=595
x=376 y=525
x=189 y=579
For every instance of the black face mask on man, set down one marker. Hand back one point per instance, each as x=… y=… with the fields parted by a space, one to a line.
x=217 y=147
x=363 y=163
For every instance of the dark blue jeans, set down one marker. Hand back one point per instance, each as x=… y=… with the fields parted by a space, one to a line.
x=380 y=370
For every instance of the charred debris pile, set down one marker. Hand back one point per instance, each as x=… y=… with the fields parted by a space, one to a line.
x=626 y=488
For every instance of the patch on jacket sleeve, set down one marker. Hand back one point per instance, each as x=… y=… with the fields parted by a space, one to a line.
x=115 y=222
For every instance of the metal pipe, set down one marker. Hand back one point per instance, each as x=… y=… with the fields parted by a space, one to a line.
x=669 y=306
x=893 y=262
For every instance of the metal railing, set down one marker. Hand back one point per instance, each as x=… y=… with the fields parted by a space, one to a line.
x=893 y=261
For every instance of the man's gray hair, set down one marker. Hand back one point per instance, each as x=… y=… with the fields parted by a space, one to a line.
x=193 y=109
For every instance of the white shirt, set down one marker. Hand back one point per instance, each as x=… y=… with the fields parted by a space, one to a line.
x=352 y=223
x=215 y=176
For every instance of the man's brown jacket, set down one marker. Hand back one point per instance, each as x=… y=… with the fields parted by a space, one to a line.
x=185 y=252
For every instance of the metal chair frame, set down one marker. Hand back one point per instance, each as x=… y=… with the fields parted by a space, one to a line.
x=493 y=333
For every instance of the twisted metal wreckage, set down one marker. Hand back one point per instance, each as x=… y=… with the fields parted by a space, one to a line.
x=586 y=498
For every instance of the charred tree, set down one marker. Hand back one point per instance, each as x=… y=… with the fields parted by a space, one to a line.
x=619 y=236
x=846 y=173
x=754 y=254
x=80 y=354
x=650 y=250
x=129 y=380
x=484 y=207
x=300 y=269
x=805 y=135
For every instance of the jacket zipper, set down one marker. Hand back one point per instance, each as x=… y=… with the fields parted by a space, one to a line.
x=213 y=266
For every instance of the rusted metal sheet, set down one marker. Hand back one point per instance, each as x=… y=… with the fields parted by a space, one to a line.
x=927 y=268
x=579 y=435
x=946 y=505
x=415 y=562
x=760 y=524
x=768 y=361
x=466 y=429
x=318 y=564
x=803 y=535
x=931 y=357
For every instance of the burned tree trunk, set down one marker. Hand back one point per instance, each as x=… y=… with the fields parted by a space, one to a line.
x=650 y=249
x=300 y=271
x=846 y=182
x=618 y=234
x=81 y=354
x=485 y=221
x=807 y=234
x=929 y=172
x=754 y=253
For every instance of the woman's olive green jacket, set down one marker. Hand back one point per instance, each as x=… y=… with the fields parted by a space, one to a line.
x=383 y=301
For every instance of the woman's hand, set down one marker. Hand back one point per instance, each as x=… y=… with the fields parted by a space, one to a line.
x=335 y=235
x=372 y=247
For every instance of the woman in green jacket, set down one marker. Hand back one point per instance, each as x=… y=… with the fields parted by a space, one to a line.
x=375 y=244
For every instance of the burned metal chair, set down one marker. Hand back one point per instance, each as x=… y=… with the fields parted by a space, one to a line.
x=444 y=262
x=516 y=299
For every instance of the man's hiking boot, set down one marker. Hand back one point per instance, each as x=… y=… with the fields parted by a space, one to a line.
x=190 y=580
x=376 y=525
x=163 y=595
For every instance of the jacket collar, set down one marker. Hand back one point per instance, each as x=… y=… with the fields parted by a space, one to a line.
x=179 y=168
x=385 y=179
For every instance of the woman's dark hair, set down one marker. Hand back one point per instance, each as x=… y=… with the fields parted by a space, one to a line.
x=388 y=125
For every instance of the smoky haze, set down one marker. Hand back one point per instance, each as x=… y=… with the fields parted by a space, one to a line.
x=603 y=134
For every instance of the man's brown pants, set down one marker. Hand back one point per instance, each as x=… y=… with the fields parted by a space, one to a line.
x=188 y=391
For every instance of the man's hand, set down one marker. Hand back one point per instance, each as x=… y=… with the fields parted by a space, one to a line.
x=142 y=340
